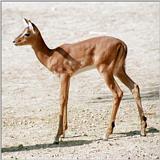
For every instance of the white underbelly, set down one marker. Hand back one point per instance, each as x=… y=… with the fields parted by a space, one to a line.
x=87 y=68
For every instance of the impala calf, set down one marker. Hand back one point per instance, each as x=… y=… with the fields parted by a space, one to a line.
x=107 y=54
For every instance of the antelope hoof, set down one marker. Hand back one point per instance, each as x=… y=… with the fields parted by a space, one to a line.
x=143 y=132
x=63 y=135
x=56 y=140
x=105 y=137
x=143 y=126
x=109 y=132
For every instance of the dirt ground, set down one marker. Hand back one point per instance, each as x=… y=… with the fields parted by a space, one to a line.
x=30 y=93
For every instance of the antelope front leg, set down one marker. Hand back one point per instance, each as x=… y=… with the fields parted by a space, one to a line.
x=65 y=81
x=65 y=122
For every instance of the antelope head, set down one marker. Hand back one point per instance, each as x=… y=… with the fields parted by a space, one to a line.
x=28 y=36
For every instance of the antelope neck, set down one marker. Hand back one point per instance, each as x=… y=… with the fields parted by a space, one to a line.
x=41 y=50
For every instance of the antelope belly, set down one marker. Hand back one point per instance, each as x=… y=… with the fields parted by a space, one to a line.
x=87 y=68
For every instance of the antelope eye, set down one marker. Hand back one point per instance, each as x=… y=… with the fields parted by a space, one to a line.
x=27 y=34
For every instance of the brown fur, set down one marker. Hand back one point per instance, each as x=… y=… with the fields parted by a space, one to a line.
x=106 y=53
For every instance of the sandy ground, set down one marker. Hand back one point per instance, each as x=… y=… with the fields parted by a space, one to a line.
x=30 y=93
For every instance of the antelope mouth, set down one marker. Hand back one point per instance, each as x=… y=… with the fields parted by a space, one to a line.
x=16 y=43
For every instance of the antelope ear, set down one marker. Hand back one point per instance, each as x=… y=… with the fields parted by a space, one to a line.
x=25 y=21
x=30 y=25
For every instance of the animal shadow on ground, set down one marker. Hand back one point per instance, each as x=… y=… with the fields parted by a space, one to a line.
x=149 y=95
x=136 y=132
x=69 y=143
x=44 y=146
